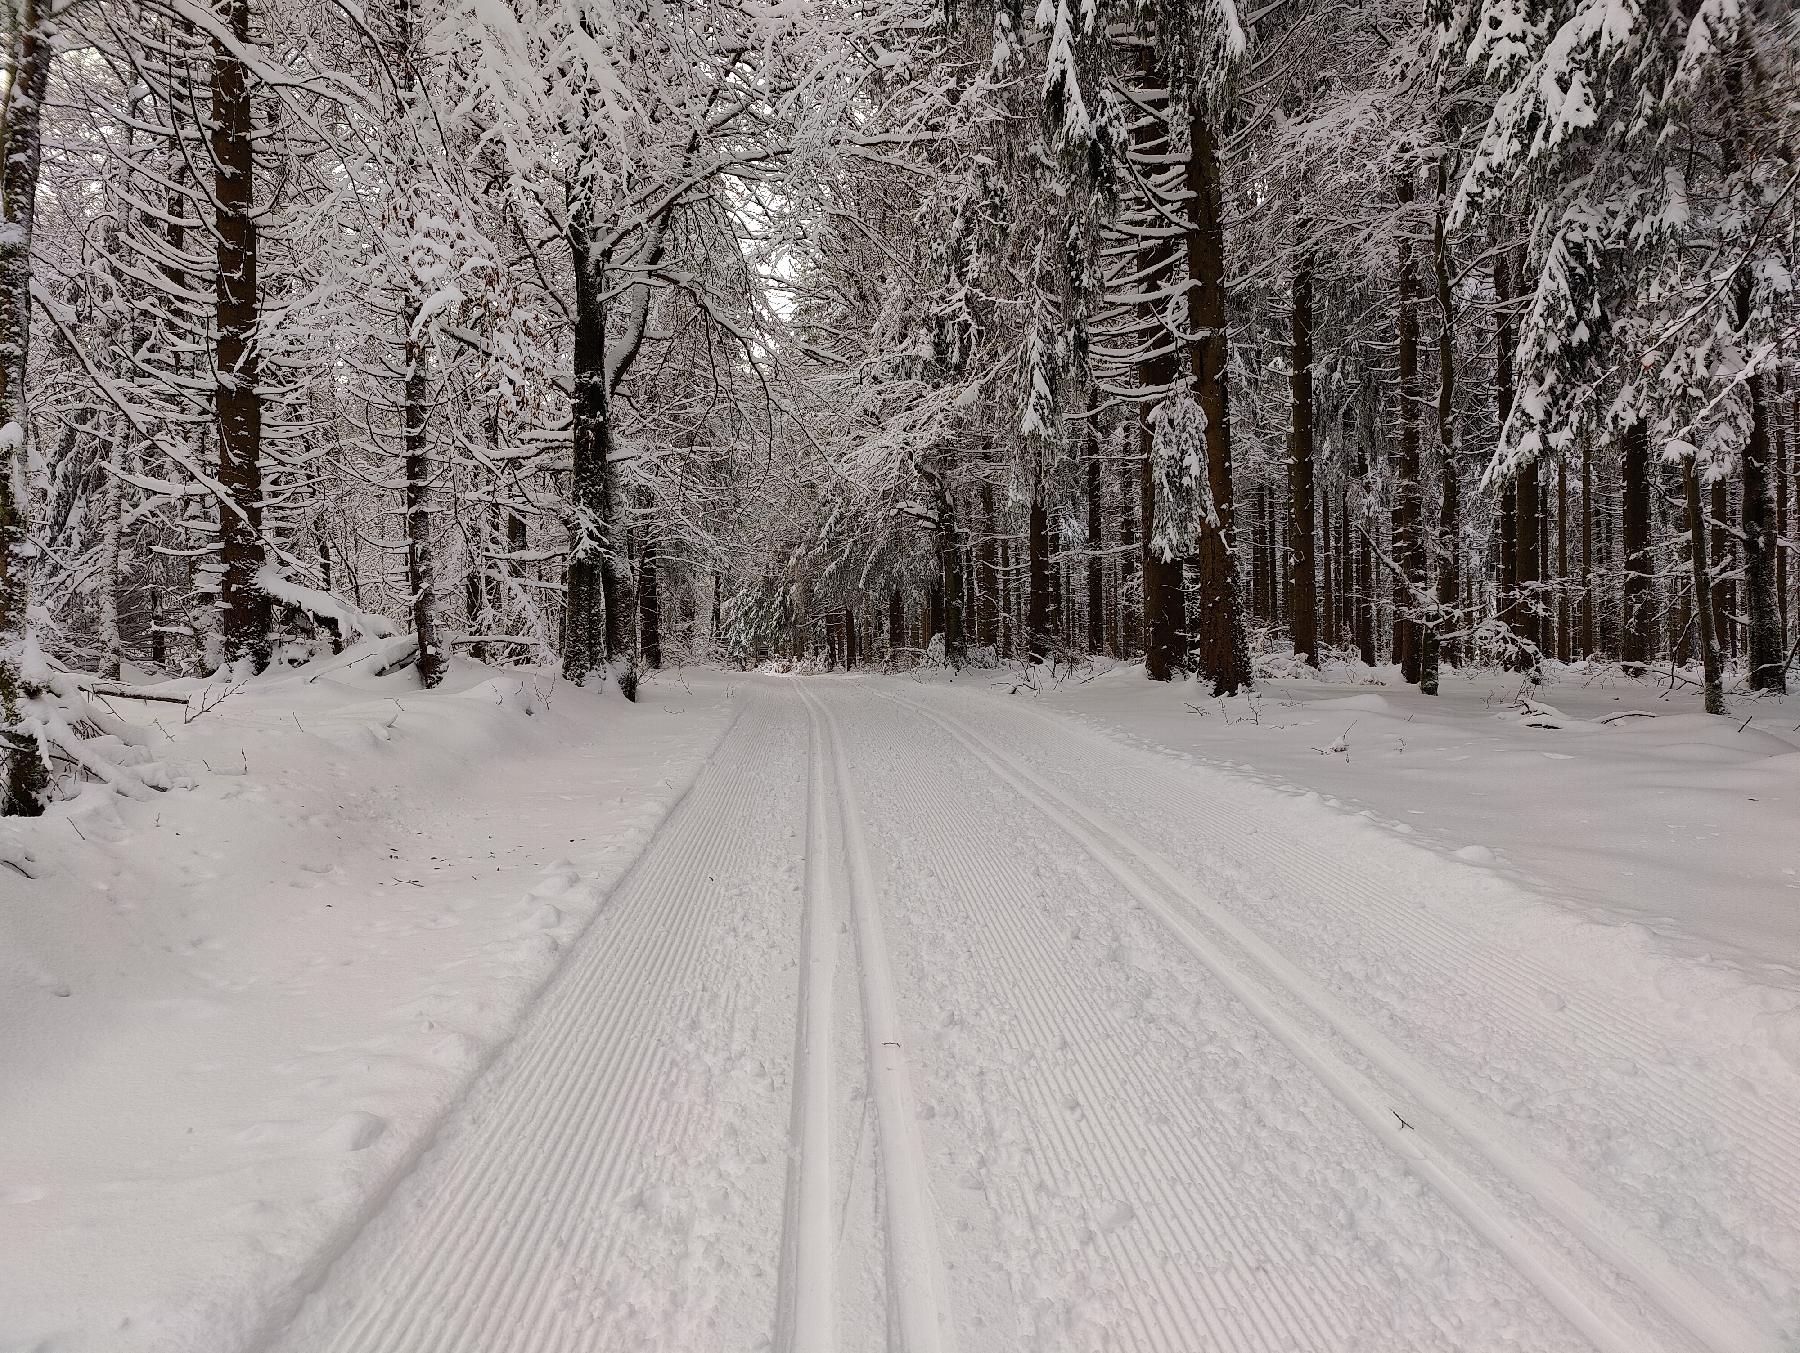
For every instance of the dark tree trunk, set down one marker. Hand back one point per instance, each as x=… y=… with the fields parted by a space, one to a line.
x=987 y=603
x=1303 y=607
x=1037 y=617
x=1220 y=651
x=1165 y=608
x=1445 y=540
x=1128 y=558
x=244 y=613
x=1328 y=600
x=950 y=561
x=1365 y=599
x=1634 y=545
x=420 y=575
x=1514 y=569
x=593 y=592
x=1259 y=574
x=1724 y=589
x=1784 y=439
x=1564 y=640
x=1096 y=596
x=1408 y=554
x=416 y=415
x=649 y=607
x=1530 y=597
x=1589 y=643
x=1007 y=626
x=1766 y=658
x=1711 y=662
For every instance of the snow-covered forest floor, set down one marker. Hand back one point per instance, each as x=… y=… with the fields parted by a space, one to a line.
x=1613 y=795
x=935 y=1012
x=235 y=1011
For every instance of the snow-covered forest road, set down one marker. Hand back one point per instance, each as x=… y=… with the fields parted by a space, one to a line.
x=930 y=1022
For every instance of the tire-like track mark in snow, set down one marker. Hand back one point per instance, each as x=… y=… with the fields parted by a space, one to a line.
x=804 y=1321
x=916 y=1287
x=560 y=1212
x=1587 y=1300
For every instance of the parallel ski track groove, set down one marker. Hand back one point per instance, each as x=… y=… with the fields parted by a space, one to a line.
x=585 y=1086
x=1618 y=1030
x=1583 y=1301
x=804 y=1316
x=917 y=1292
x=1064 y=1152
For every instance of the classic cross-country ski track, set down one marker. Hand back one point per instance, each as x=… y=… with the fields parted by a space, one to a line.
x=929 y=1022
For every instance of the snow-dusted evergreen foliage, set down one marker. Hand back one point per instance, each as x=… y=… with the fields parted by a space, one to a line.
x=587 y=334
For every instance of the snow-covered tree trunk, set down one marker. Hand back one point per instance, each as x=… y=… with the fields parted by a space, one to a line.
x=244 y=609
x=23 y=775
x=421 y=572
x=1766 y=657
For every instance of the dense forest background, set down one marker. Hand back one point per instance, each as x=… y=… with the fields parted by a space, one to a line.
x=607 y=335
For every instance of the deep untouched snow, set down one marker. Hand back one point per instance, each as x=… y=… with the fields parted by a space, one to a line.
x=928 y=1020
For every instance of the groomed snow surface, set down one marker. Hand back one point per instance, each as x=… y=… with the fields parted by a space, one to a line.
x=850 y=1013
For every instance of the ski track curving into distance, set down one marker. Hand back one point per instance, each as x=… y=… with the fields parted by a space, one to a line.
x=1450 y=1129
x=895 y=1037
x=916 y=1288
x=804 y=1316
